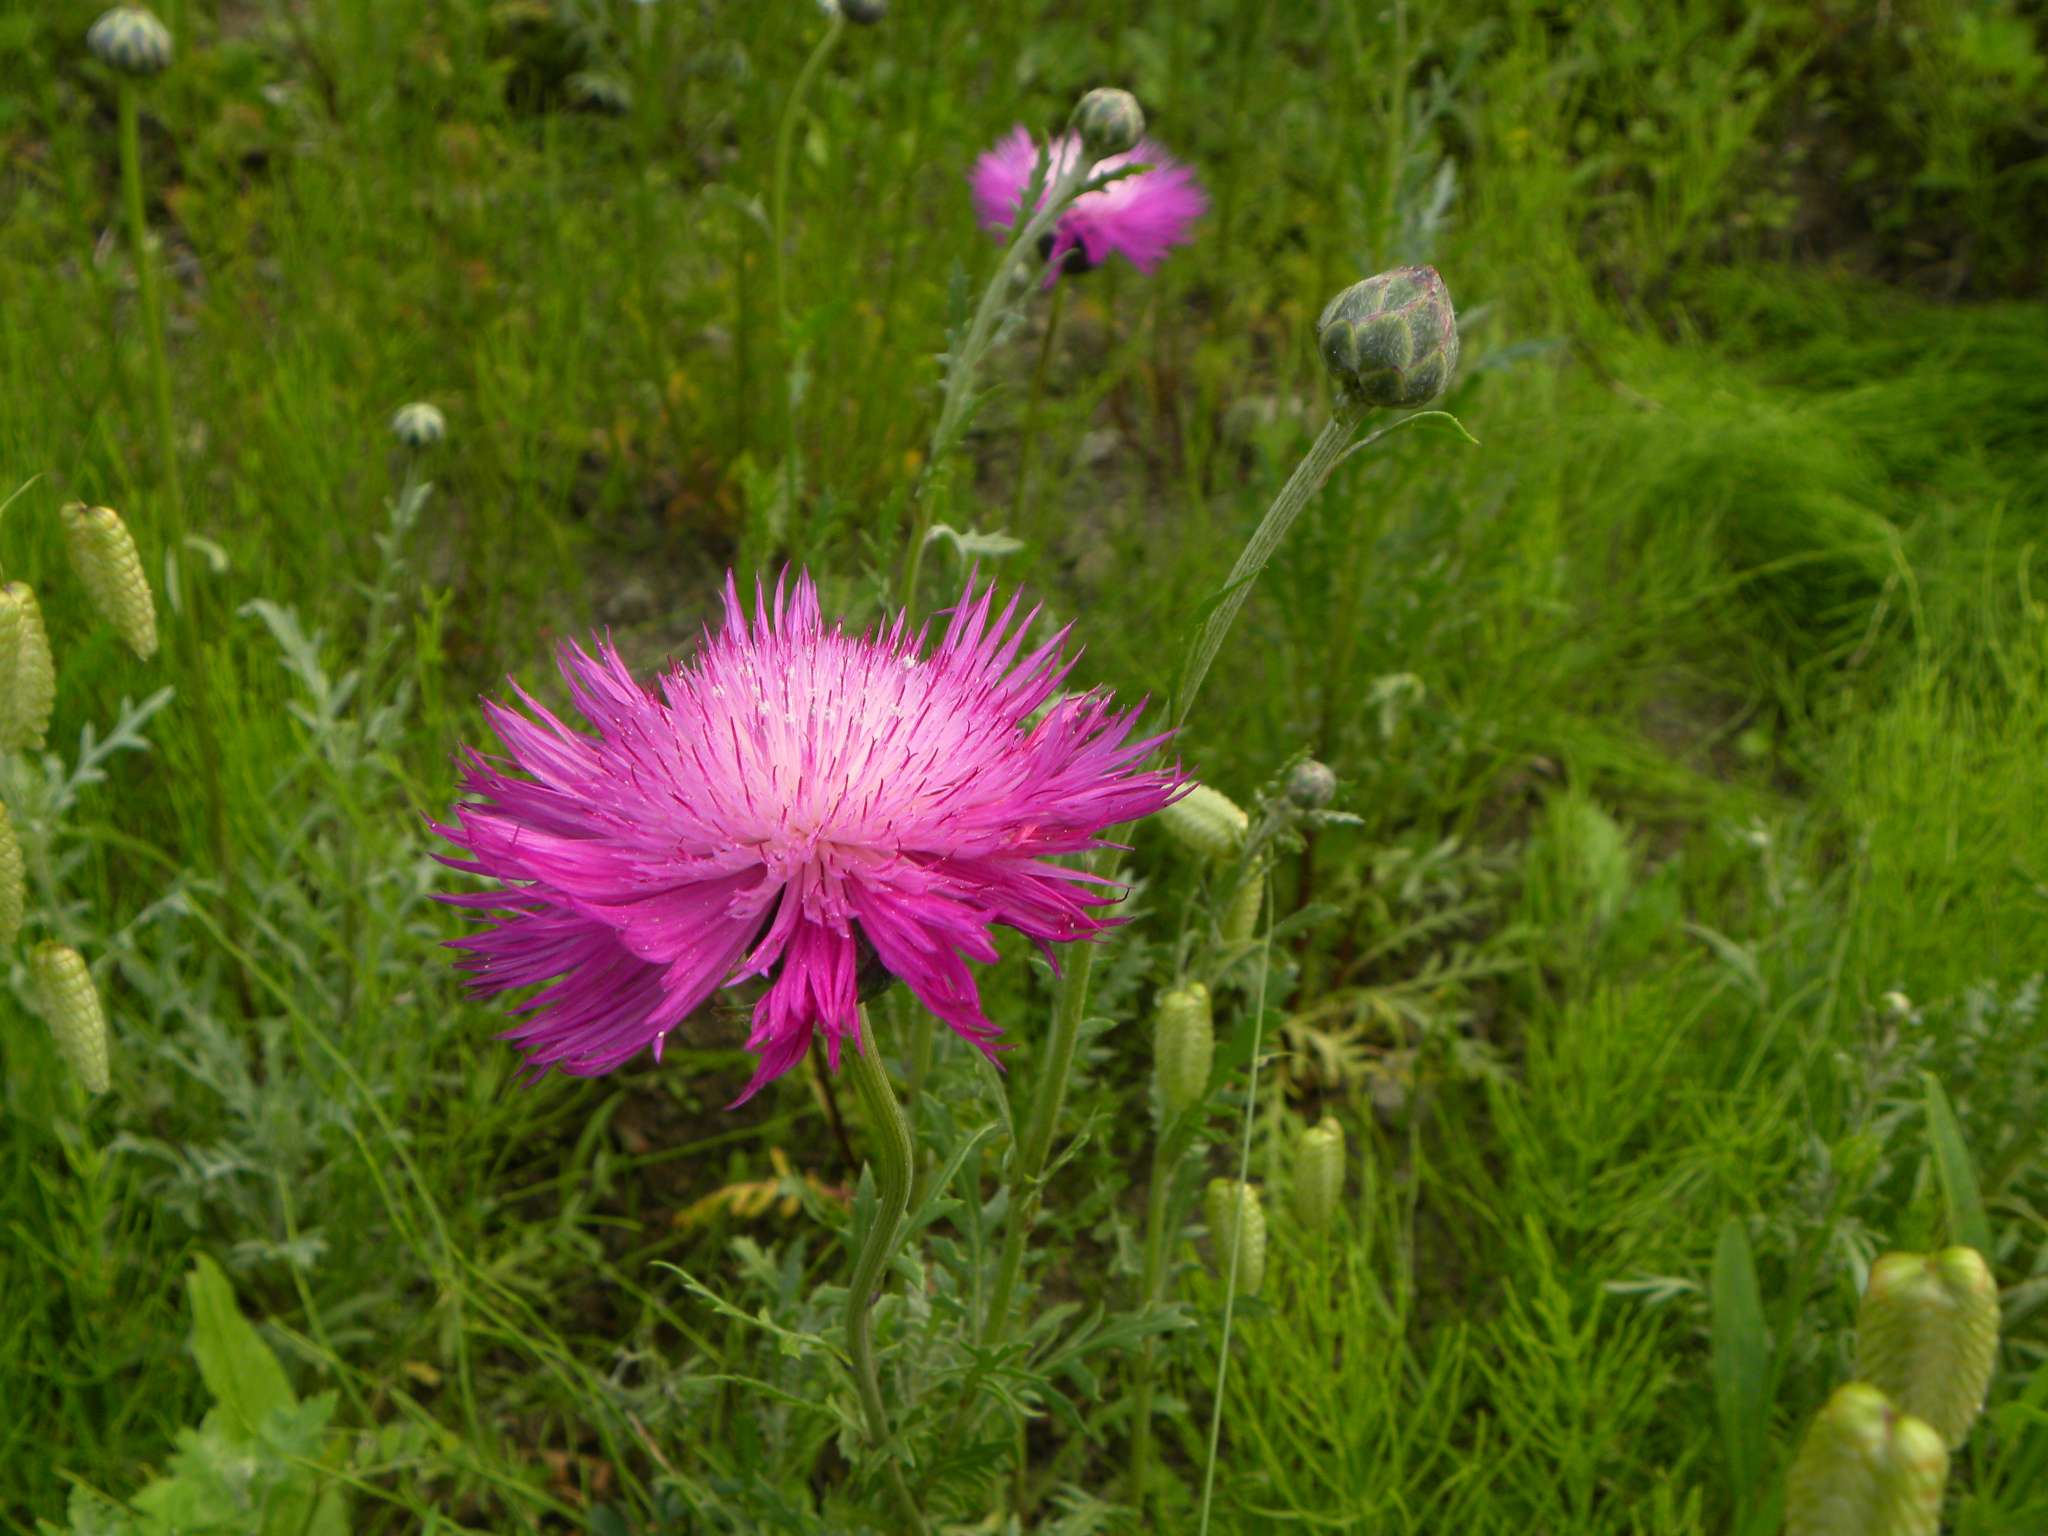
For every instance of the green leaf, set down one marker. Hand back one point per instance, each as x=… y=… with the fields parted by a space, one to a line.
x=1959 y=1194
x=1741 y=1358
x=239 y=1369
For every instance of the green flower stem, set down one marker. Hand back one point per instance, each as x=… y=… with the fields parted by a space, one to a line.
x=962 y=368
x=892 y=1165
x=785 y=135
x=1167 y=1152
x=1032 y=1152
x=152 y=308
x=1027 y=452
x=1301 y=486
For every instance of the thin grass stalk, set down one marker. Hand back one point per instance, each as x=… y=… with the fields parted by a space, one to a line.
x=1027 y=450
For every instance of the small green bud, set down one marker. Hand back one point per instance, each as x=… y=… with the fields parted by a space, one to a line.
x=1109 y=121
x=1392 y=339
x=1319 y=1175
x=28 y=672
x=1206 y=822
x=132 y=40
x=1237 y=1233
x=1927 y=1335
x=13 y=881
x=72 y=1005
x=1184 y=1047
x=1866 y=1469
x=418 y=425
x=1240 y=924
x=103 y=554
x=864 y=13
x=1310 y=785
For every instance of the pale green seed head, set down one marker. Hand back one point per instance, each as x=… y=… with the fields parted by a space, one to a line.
x=1237 y=1232
x=1206 y=822
x=1927 y=1335
x=71 y=1004
x=1319 y=1175
x=1184 y=1047
x=1866 y=1469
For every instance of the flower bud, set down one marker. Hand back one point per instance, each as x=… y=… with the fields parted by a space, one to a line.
x=1319 y=1175
x=1866 y=1469
x=1237 y=1233
x=13 y=881
x=1207 y=823
x=103 y=554
x=863 y=13
x=418 y=425
x=131 y=40
x=1927 y=1335
x=1392 y=339
x=1310 y=785
x=72 y=1005
x=28 y=673
x=1184 y=1047
x=596 y=91
x=1240 y=924
x=1109 y=121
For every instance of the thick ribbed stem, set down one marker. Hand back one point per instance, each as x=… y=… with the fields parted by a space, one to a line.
x=892 y=1164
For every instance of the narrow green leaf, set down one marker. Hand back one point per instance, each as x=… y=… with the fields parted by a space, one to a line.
x=1959 y=1194
x=1741 y=1359
x=237 y=1366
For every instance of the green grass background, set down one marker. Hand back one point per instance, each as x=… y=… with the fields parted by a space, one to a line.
x=1695 y=712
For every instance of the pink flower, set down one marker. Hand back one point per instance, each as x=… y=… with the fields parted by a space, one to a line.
x=1143 y=216
x=792 y=802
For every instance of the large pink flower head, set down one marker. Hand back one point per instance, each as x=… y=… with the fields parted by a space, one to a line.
x=1143 y=216
x=793 y=802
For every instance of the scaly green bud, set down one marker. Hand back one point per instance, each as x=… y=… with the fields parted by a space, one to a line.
x=72 y=1005
x=131 y=40
x=1240 y=924
x=13 y=881
x=418 y=425
x=1310 y=785
x=1319 y=1175
x=28 y=673
x=104 y=556
x=1109 y=121
x=1927 y=1335
x=1866 y=1469
x=1237 y=1233
x=1206 y=822
x=1392 y=339
x=1184 y=1047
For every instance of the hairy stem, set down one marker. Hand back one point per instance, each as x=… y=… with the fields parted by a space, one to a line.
x=892 y=1164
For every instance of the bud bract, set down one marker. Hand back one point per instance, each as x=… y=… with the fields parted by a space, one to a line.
x=1237 y=1232
x=1206 y=822
x=1109 y=121
x=28 y=673
x=1319 y=1175
x=1392 y=339
x=418 y=425
x=863 y=13
x=1184 y=1047
x=13 y=881
x=1927 y=1335
x=104 y=556
x=72 y=1005
x=131 y=40
x=1240 y=923
x=1866 y=1469
x=1310 y=785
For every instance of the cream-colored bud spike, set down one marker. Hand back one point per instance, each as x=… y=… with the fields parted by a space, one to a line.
x=72 y=1005
x=1184 y=1048
x=13 y=881
x=28 y=673
x=1319 y=1175
x=1206 y=822
x=1927 y=1335
x=104 y=556
x=1237 y=1233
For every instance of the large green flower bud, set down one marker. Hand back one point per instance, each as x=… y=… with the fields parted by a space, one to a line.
x=71 y=1004
x=1319 y=1175
x=1109 y=121
x=1310 y=785
x=1392 y=339
x=1866 y=1469
x=1237 y=1233
x=1184 y=1047
x=1927 y=1335
x=1206 y=822
x=131 y=40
